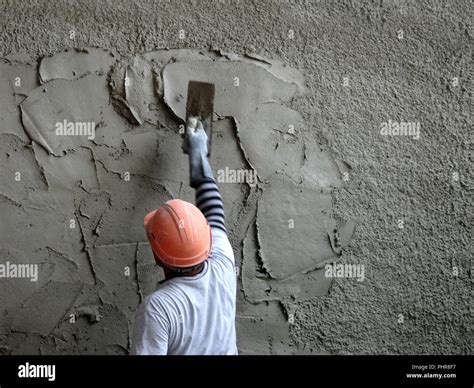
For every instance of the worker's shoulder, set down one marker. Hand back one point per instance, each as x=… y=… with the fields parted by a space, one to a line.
x=159 y=299
x=221 y=248
x=162 y=305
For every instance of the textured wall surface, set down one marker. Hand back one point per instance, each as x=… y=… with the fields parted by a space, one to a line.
x=371 y=70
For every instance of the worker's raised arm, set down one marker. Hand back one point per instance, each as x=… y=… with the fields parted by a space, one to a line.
x=208 y=198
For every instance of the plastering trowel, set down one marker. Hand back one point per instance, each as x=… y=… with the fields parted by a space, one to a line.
x=200 y=104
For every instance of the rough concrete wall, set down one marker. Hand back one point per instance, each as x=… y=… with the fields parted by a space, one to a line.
x=366 y=65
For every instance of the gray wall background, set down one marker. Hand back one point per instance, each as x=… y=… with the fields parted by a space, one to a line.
x=404 y=76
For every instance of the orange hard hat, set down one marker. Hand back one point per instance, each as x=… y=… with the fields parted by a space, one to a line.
x=179 y=234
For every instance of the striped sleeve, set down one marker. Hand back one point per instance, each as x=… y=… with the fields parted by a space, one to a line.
x=209 y=201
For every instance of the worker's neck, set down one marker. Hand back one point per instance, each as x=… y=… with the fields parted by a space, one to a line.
x=169 y=274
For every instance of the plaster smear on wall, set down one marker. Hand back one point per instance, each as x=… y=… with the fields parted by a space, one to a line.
x=73 y=202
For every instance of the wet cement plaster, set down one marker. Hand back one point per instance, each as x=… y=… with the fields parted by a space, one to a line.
x=306 y=124
x=105 y=181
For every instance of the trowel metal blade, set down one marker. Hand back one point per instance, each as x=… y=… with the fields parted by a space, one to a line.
x=200 y=104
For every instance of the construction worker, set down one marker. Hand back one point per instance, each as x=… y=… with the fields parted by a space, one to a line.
x=193 y=309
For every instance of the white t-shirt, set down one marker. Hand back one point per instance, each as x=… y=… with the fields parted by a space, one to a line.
x=192 y=315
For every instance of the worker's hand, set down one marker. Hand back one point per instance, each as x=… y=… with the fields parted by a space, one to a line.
x=195 y=145
x=195 y=140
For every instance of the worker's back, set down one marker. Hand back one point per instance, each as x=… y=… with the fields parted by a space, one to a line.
x=195 y=314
